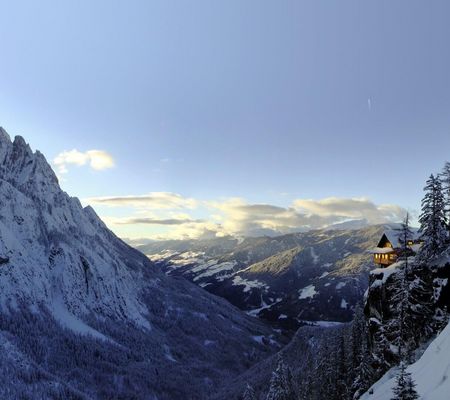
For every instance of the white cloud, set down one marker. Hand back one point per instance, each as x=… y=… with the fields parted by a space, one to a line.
x=97 y=159
x=151 y=201
x=353 y=208
x=235 y=216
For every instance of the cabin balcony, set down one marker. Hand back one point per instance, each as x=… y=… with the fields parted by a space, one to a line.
x=385 y=259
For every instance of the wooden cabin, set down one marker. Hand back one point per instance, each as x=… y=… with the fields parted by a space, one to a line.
x=388 y=248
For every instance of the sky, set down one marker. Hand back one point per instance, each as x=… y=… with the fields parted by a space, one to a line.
x=182 y=119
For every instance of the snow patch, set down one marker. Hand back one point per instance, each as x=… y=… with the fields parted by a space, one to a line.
x=249 y=284
x=307 y=292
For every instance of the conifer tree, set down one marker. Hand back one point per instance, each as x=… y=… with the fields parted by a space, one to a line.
x=365 y=372
x=281 y=387
x=249 y=393
x=405 y=235
x=359 y=332
x=341 y=370
x=405 y=386
x=433 y=220
x=445 y=181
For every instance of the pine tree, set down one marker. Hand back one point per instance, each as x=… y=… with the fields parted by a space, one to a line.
x=359 y=331
x=405 y=235
x=249 y=393
x=281 y=387
x=405 y=386
x=326 y=372
x=445 y=181
x=365 y=372
x=433 y=220
x=341 y=370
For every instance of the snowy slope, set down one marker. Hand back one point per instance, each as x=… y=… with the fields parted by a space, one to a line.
x=430 y=373
x=90 y=314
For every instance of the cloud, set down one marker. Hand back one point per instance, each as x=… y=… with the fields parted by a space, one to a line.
x=173 y=216
x=352 y=208
x=153 y=221
x=246 y=219
x=97 y=159
x=151 y=201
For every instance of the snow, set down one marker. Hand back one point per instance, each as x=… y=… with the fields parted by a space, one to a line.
x=327 y=324
x=258 y=339
x=344 y=304
x=323 y=324
x=211 y=268
x=263 y=306
x=385 y=272
x=282 y=316
x=69 y=321
x=430 y=373
x=439 y=284
x=200 y=315
x=382 y=250
x=168 y=354
x=249 y=284
x=307 y=292
x=340 y=285
x=324 y=275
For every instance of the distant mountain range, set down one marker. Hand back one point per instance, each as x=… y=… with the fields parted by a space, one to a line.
x=288 y=280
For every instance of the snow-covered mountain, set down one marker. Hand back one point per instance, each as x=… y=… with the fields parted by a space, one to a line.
x=287 y=280
x=83 y=315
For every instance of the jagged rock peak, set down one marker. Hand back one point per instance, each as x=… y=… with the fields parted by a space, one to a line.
x=21 y=167
x=4 y=137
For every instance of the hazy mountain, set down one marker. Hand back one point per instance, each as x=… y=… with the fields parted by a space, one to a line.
x=313 y=276
x=85 y=316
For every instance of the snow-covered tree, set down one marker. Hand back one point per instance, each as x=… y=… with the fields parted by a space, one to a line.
x=405 y=386
x=433 y=221
x=361 y=372
x=365 y=373
x=281 y=387
x=405 y=235
x=445 y=180
x=249 y=393
x=342 y=387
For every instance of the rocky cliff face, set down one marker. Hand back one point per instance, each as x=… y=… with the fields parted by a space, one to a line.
x=83 y=315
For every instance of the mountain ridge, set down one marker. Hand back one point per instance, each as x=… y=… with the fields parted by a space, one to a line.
x=90 y=317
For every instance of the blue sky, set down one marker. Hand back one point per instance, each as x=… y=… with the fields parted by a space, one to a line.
x=232 y=104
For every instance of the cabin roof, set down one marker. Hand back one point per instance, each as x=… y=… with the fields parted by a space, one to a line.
x=393 y=234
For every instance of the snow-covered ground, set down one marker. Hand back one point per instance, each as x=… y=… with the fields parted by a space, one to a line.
x=307 y=292
x=430 y=373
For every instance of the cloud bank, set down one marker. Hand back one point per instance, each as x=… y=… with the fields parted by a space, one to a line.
x=235 y=216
